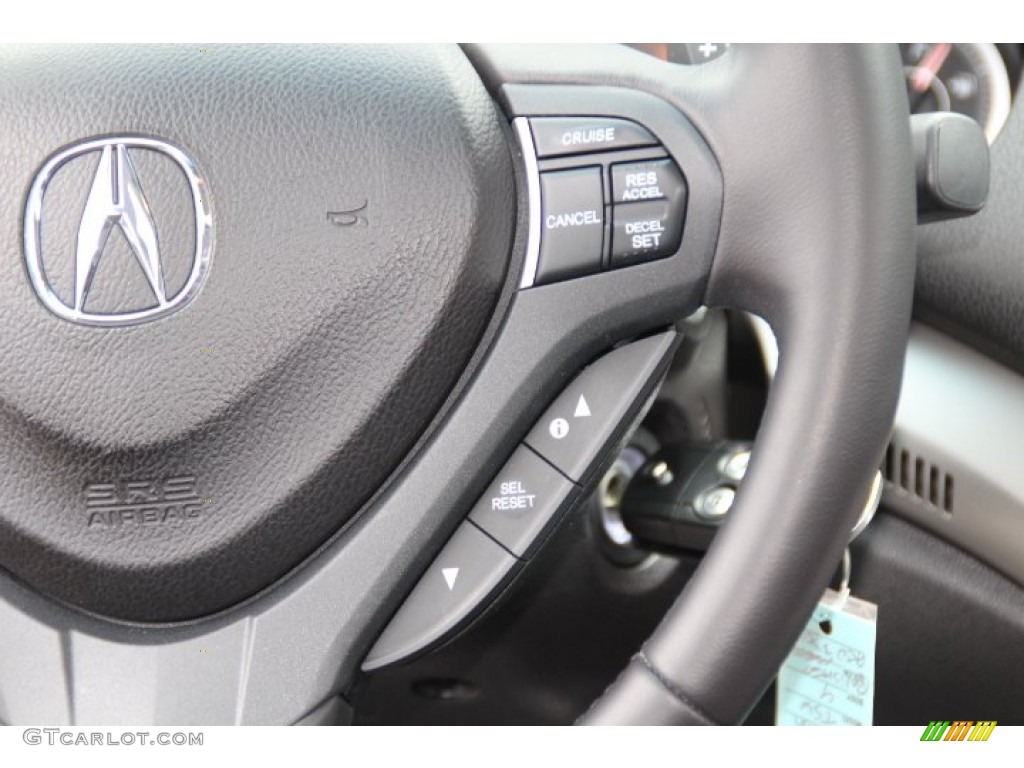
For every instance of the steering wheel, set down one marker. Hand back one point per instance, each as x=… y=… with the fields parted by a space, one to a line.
x=303 y=329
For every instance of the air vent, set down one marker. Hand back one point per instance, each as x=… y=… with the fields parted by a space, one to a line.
x=919 y=478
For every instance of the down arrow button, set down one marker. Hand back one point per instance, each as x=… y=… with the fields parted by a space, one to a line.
x=469 y=570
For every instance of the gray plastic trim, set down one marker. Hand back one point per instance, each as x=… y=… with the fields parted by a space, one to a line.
x=963 y=413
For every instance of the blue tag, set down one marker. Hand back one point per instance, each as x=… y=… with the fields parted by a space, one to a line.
x=829 y=676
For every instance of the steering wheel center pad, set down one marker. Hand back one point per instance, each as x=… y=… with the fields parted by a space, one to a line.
x=170 y=469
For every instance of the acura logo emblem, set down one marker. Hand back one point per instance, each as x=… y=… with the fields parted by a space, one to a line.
x=116 y=202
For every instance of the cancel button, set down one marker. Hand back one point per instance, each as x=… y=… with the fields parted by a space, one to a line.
x=642 y=231
x=572 y=224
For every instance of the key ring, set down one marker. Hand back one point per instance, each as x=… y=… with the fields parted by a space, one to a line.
x=870 y=507
x=844 y=583
x=866 y=516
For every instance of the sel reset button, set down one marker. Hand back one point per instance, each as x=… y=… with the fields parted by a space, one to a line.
x=523 y=500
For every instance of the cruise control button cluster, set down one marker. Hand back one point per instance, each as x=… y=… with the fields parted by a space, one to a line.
x=609 y=197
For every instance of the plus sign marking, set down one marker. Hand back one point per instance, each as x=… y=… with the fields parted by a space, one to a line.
x=707 y=49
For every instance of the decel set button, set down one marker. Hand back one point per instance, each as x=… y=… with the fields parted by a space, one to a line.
x=642 y=231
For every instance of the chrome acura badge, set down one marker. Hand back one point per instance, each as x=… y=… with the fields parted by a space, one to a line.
x=116 y=199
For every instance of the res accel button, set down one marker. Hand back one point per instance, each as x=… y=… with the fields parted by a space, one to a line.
x=648 y=180
x=572 y=224
x=524 y=498
x=572 y=135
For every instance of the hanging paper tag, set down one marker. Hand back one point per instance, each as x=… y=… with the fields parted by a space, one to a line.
x=829 y=676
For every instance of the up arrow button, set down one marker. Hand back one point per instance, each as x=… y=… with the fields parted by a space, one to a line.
x=598 y=404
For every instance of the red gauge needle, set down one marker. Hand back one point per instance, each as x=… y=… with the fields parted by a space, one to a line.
x=928 y=66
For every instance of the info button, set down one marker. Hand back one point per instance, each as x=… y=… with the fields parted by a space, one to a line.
x=525 y=498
